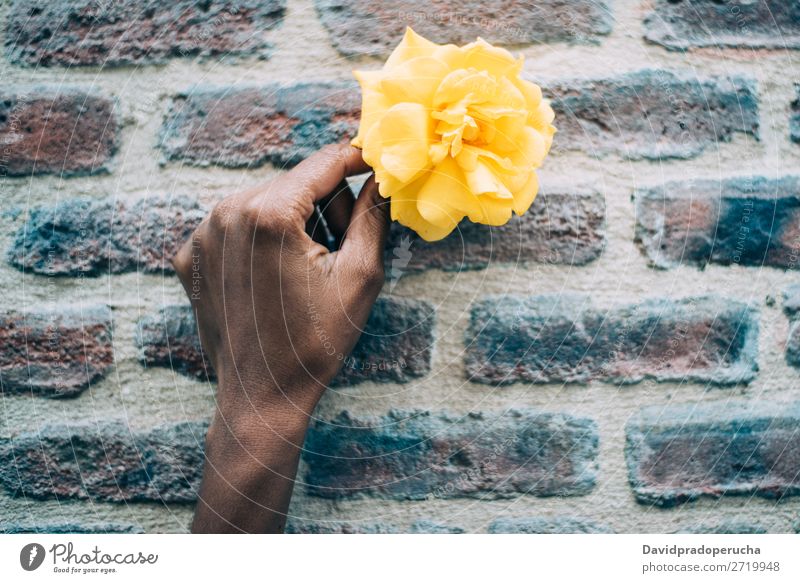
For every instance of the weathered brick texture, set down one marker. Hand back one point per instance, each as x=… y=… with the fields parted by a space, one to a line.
x=746 y=221
x=418 y=455
x=56 y=130
x=563 y=338
x=54 y=353
x=240 y=127
x=296 y=526
x=562 y=525
x=794 y=119
x=770 y=24
x=361 y=27
x=128 y=32
x=105 y=462
x=728 y=527
x=652 y=114
x=681 y=453
x=83 y=237
x=559 y=228
x=71 y=528
x=791 y=307
x=396 y=345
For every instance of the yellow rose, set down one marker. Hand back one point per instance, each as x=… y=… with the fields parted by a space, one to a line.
x=453 y=132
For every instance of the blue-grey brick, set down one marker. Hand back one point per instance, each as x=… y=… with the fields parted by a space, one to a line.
x=363 y=27
x=681 y=453
x=652 y=114
x=297 y=526
x=794 y=120
x=415 y=455
x=431 y=527
x=105 y=462
x=85 y=237
x=561 y=228
x=395 y=346
x=561 y=525
x=239 y=127
x=727 y=527
x=135 y=32
x=71 y=528
x=751 y=221
x=547 y=339
x=739 y=24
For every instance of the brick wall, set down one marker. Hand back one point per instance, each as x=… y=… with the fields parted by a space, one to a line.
x=626 y=357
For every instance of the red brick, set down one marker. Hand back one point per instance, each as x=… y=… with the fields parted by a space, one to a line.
x=50 y=130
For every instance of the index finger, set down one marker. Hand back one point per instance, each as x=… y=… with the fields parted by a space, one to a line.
x=318 y=175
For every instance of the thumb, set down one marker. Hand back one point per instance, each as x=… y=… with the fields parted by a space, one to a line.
x=365 y=240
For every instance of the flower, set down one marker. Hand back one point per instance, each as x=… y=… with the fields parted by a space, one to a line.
x=453 y=132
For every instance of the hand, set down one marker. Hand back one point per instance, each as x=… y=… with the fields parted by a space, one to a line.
x=277 y=313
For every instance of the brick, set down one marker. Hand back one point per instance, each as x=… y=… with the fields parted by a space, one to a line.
x=561 y=525
x=560 y=228
x=239 y=127
x=360 y=27
x=107 y=462
x=83 y=237
x=682 y=453
x=652 y=114
x=794 y=119
x=564 y=339
x=169 y=338
x=71 y=528
x=56 y=130
x=55 y=353
x=416 y=455
x=430 y=527
x=136 y=32
x=729 y=527
x=333 y=527
x=396 y=345
x=793 y=345
x=751 y=221
x=791 y=301
x=743 y=24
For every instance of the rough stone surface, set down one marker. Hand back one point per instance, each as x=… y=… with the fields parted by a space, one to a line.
x=395 y=347
x=430 y=527
x=684 y=452
x=249 y=126
x=105 y=462
x=563 y=525
x=83 y=237
x=417 y=455
x=744 y=24
x=794 y=120
x=752 y=221
x=308 y=527
x=793 y=344
x=731 y=527
x=566 y=229
x=545 y=339
x=652 y=114
x=133 y=32
x=791 y=307
x=56 y=130
x=361 y=27
x=54 y=353
x=71 y=528
x=170 y=338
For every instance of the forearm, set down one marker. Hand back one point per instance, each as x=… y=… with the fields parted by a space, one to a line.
x=251 y=463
